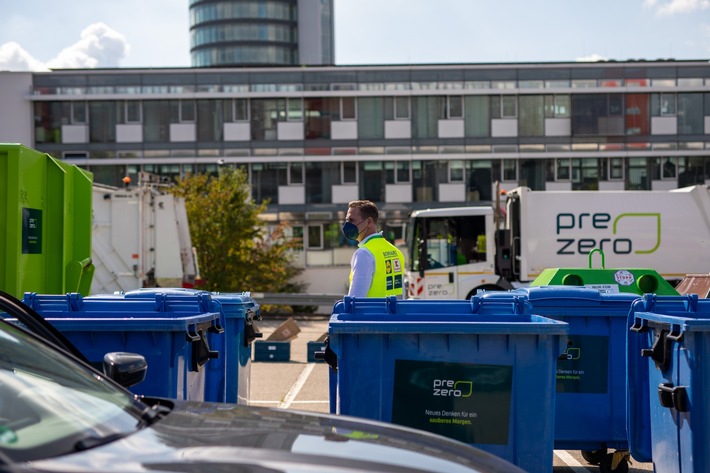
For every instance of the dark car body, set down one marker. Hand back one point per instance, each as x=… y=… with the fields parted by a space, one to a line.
x=58 y=414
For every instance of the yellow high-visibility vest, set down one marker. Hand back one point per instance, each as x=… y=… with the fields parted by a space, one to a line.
x=388 y=278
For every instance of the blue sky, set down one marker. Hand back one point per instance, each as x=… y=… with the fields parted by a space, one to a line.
x=36 y=34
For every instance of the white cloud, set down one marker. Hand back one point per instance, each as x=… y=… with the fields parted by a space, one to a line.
x=99 y=46
x=677 y=6
x=14 y=58
x=591 y=58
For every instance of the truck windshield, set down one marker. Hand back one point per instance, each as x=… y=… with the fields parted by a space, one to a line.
x=445 y=241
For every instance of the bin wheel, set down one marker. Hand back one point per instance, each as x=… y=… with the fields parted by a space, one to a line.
x=619 y=458
x=594 y=457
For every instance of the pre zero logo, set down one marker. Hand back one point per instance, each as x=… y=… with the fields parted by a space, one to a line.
x=451 y=388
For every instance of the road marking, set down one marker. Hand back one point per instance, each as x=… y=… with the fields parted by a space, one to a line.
x=297 y=386
x=569 y=460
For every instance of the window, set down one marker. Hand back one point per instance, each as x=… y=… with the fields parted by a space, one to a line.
x=504 y=106
x=510 y=170
x=129 y=111
x=297 y=235
x=668 y=104
x=401 y=108
x=665 y=168
x=456 y=171
x=562 y=169
x=349 y=172
x=348 y=108
x=557 y=106
x=295 y=174
x=612 y=169
x=78 y=114
x=315 y=237
x=397 y=172
x=294 y=109
x=238 y=111
x=454 y=107
x=187 y=111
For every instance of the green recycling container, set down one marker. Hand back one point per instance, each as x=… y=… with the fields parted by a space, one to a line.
x=45 y=207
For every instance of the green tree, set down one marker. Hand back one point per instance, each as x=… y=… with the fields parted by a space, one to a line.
x=235 y=250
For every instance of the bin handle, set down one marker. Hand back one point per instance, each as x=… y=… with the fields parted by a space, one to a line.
x=639 y=325
x=673 y=396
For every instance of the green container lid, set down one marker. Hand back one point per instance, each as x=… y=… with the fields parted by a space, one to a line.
x=632 y=280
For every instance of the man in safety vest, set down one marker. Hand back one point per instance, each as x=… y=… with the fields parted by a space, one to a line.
x=377 y=266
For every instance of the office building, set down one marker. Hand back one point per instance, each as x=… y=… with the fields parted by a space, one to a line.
x=406 y=137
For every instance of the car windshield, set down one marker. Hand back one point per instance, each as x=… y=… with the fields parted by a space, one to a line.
x=52 y=405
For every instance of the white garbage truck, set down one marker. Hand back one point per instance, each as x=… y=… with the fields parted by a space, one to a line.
x=140 y=238
x=453 y=252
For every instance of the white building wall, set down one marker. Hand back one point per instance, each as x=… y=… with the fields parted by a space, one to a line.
x=504 y=127
x=290 y=131
x=72 y=134
x=343 y=130
x=127 y=133
x=664 y=126
x=237 y=131
x=395 y=129
x=558 y=127
x=183 y=132
x=16 y=117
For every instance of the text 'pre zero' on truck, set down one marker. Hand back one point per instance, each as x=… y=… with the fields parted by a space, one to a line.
x=454 y=252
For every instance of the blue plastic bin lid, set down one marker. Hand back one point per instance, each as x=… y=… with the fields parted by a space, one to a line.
x=564 y=297
x=231 y=304
x=158 y=305
x=390 y=315
x=682 y=313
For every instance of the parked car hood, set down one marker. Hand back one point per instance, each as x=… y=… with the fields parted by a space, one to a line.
x=225 y=437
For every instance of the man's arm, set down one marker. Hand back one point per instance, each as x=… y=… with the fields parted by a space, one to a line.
x=363 y=266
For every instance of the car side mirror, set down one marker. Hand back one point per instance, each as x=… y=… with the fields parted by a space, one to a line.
x=127 y=369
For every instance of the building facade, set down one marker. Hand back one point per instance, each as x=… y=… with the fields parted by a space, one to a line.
x=314 y=138
x=229 y=33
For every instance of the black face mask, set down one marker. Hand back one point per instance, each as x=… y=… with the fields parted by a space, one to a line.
x=351 y=230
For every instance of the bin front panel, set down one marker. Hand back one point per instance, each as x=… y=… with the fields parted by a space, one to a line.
x=488 y=381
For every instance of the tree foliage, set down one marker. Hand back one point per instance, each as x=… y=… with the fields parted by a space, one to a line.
x=235 y=250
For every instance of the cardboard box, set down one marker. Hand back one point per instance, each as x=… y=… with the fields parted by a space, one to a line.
x=285 y=332
x=272 y=351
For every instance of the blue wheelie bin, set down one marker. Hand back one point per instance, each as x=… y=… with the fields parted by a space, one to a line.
x=171 y=334
x=590 y=404
x=227 y=377
x=482 y=372
x=669 y=345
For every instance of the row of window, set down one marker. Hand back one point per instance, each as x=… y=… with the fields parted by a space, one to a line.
x=260 y=10
x=422 y=180
x=244 y=54
x=242 y=32
x=588 y=114
x=176 y=84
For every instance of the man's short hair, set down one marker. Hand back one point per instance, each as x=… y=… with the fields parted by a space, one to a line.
x=367 y=208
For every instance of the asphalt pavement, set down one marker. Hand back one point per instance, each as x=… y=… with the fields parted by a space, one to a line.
x=301 y=385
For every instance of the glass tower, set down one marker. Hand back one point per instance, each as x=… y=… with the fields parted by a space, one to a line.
x=227 y=33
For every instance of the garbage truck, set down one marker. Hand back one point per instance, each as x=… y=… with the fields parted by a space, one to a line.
x=454 y=252
x=140 y=238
